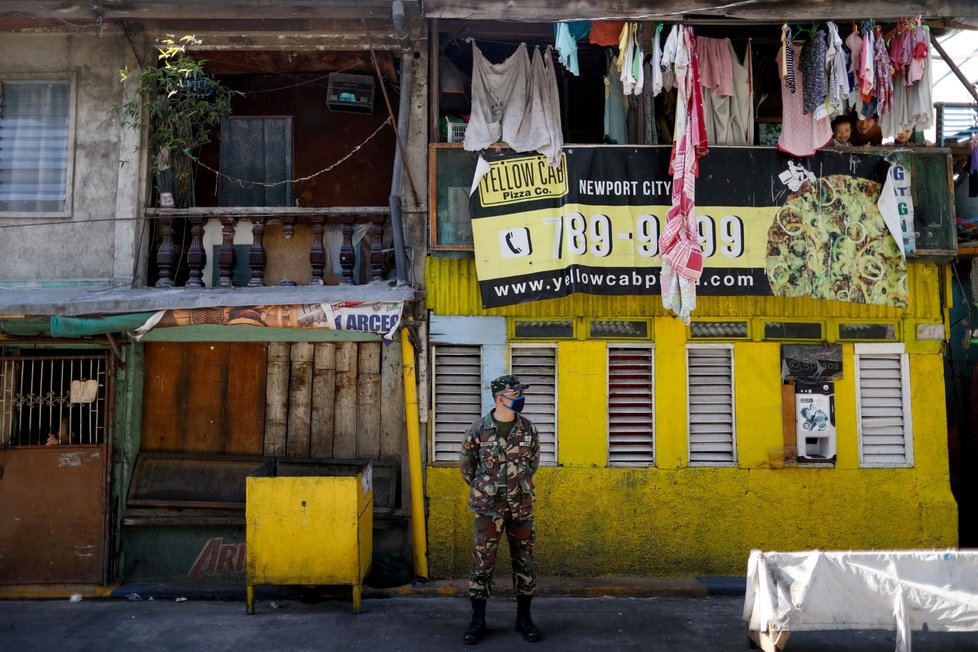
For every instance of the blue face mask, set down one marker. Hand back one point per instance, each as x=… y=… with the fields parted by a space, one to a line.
x=516 y=404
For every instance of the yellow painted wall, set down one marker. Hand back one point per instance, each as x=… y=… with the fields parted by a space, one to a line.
x=672 y=519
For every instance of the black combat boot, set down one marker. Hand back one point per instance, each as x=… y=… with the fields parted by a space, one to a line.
x=477 y=628
x=524 y=624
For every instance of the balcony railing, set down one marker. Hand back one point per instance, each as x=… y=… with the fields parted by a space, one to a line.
x=168 y=254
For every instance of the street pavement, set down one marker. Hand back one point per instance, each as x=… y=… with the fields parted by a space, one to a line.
x=697 y=624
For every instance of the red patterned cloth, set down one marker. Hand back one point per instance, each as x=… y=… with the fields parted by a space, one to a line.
x=679 y=244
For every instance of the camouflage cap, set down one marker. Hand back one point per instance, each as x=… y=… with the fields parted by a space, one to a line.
x=503 y=383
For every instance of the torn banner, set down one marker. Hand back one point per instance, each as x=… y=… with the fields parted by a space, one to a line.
x=381 y=317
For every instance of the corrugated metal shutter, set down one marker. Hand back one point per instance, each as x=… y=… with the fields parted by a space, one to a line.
x=883 y=408
x=457 y=397
x=537 y=366
x=631 y=419
x=711 y=404
x=34 y=132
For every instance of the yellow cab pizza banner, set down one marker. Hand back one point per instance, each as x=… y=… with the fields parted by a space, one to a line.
x=769 y=224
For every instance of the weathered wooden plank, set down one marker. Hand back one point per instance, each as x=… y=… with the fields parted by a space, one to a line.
x=392 y=438
x=245 y=408
x=345 y=405
x=206 y=376
x=300 y=400
x=368 y=400
x=277 y=398
x=323 y=394
x=162 y=422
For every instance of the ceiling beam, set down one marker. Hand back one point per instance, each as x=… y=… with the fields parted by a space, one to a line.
x=675 y=10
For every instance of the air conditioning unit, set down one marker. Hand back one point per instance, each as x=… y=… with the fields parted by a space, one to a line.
x=350 y=93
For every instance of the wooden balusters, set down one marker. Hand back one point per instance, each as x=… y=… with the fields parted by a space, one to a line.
x=362 y=255
x=256 y=256
x=376 y=247
x=166 y=255
x=317 y=252
x=225 y=255
x=288 y=226
x=196 y=256
x=347 y=257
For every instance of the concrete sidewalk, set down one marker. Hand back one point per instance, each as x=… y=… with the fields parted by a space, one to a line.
x=413 y=624
x=212 y=589
x=621 y=587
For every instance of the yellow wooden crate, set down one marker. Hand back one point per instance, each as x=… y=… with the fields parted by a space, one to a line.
x=309 y=524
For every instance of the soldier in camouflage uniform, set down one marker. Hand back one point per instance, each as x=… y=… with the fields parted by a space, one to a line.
x=500 y=453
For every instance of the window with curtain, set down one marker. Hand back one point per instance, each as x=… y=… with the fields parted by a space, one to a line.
x=35 y=142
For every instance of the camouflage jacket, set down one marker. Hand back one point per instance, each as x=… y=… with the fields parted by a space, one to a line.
x=479 y=460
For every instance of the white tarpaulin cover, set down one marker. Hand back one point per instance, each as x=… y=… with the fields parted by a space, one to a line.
x=901 y=589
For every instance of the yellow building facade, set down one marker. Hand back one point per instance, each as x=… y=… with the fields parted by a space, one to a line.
x=678 y=515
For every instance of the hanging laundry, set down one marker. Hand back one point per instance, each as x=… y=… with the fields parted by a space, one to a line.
x=516 y=103
x=812 y=64
x=716 y=64
x=615 y=130
x=605 y=32
x=682 y=256
x=629 y=62
x=716 y=77
x=626 y=57
x=638 y=60
x=740 y=128
x=656 y=67
x=921 y=53
x=669 y=58
x=839 y=89
x=920 y=102
x=973 y=168
x=867 y=70
x=883 y=72
x=542 y=130
x=801 y=134
x=566 y=46
x=640 y=118
x=787 y=59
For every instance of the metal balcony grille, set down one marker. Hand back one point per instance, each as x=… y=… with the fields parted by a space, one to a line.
x=52 y=400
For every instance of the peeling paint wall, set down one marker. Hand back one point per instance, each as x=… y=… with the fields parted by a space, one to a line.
x=673 y=519
x=97 y=242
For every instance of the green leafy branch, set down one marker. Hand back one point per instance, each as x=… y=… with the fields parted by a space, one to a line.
x=177 y=104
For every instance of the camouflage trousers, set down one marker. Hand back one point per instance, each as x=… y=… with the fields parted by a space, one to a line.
x=521 y=534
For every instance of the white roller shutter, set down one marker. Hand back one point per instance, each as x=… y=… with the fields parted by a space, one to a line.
x=710 y=392
x=536 y=365
x=883 y=406
x=457 y=399
x=631 y=400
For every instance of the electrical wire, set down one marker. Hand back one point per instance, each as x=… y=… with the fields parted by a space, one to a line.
x=96 y=25
x=261 y=184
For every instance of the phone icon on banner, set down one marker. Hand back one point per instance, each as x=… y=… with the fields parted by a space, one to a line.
x=514 y=243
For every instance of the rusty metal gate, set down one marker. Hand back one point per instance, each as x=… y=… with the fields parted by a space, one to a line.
x=54 y=467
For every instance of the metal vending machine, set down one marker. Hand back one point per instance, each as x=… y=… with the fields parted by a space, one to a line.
x=815 y=420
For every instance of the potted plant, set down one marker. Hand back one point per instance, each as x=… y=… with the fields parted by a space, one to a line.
x=179 y=106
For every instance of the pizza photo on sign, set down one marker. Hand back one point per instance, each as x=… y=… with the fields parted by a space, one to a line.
x=829 y=241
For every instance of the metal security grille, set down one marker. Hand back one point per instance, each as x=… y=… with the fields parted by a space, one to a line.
x=457 y=397
x=631 y=400
x=711 y=405
x=452 y=222
x=537 y=366
x=52 y=400
x=933 y=200
x=883 y=408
